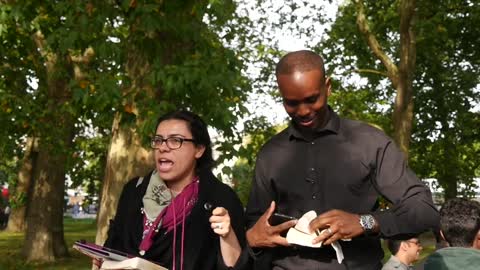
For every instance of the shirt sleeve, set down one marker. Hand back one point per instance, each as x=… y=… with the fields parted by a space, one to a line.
x=413 y=210
x=261 y=194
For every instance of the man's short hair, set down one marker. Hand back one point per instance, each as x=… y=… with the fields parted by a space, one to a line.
x=394 y=245
x=460 y=221
x=302 y=61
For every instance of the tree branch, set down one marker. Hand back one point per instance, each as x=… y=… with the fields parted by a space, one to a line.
x=364 y=70
x=362 y=23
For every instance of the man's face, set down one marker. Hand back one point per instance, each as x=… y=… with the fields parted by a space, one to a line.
x=305 y=97
x=413 y=249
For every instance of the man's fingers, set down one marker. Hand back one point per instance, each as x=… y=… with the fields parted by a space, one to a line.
x=332 y=238
x=281 y=241
x=284 y=226
x=324 y=235
x=320 y=223
x=270 y=210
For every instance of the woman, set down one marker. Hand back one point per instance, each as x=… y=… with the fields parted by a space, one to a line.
x=167 y=216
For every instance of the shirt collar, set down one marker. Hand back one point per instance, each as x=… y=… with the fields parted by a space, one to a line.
x=398 y=264
x=333 y=126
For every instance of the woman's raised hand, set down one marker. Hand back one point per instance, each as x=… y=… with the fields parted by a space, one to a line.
x=220 y=221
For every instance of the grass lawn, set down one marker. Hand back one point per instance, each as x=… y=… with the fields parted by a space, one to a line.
x=75 y=229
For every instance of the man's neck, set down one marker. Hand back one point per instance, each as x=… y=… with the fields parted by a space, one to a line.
x=403 y=258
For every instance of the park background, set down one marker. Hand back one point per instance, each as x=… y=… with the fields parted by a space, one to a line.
x=83 y=82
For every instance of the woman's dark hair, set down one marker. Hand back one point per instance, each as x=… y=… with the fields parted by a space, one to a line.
x=199 y=131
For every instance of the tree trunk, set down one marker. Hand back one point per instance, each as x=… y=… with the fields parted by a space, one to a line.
x=126 y=159
x=23 y=190
x=403 y=110
x=44 y=239
x=450 y=188
x=401 y=76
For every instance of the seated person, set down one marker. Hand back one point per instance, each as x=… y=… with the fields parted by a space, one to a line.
x=179 y=215
x=460 y=227
x=404 y=253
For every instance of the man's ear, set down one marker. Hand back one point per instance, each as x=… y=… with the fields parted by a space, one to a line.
x=443 y=236
x=328 y=85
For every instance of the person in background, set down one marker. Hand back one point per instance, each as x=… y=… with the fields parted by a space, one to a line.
x=179 y=215
x=337 y=167
x=460 y=227
x=404 y=253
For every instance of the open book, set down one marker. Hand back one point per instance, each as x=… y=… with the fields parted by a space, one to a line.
x=114 y=259
x=132 y=263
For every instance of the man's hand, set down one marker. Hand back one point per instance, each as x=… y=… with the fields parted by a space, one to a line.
x=339 y=225
x=264 y=235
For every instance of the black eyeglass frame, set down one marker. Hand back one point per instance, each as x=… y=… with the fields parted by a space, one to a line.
x=417 y=243
x=168 y=141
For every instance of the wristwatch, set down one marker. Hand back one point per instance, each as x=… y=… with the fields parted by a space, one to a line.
x=368 y=223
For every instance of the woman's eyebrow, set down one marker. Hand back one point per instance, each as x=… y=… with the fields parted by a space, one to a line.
x=171 y=135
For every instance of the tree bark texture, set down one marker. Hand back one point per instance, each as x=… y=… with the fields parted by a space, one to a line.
x=403 y=110
x=44 y=239
x=23 y=190
x=126 y=159
x=401 y=76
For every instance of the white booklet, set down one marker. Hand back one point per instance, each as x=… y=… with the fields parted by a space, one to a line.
x=132 y=263
x=301 y=235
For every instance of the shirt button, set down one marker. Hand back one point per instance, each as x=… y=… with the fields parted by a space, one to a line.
x=313 y=142
x=312 y=169
x=314 y=196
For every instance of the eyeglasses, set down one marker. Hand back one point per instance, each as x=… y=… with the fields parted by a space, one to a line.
x=172 y=142
x=418 y=243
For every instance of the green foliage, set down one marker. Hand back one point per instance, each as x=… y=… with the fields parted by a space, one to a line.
x=445 y=137
x=137 y=58
x=446 y=132
x=258 y=131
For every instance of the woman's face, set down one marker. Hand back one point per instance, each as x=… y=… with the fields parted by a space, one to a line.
x=176 y=165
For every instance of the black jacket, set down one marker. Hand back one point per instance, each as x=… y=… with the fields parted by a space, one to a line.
x=201 y=244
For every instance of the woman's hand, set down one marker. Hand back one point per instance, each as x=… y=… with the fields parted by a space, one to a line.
x=220 y=221
x=229 y=245
x=97 y=263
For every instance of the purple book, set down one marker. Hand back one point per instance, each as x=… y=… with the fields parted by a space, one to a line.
x=99 y=252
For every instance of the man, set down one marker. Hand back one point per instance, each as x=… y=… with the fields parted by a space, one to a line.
x=460 y=227
x=338 y=168
x=404 y=253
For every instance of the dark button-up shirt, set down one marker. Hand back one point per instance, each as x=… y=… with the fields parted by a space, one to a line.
x=344 y=165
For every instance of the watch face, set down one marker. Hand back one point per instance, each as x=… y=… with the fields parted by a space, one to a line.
x=367 y=222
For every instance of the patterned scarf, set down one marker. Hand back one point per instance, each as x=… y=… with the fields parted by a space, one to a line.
x=163 y=212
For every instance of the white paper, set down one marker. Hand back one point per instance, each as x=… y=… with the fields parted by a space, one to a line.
x=301 y=235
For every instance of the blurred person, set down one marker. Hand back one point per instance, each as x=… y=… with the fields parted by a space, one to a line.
x=460 y=227
x=404 y=253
